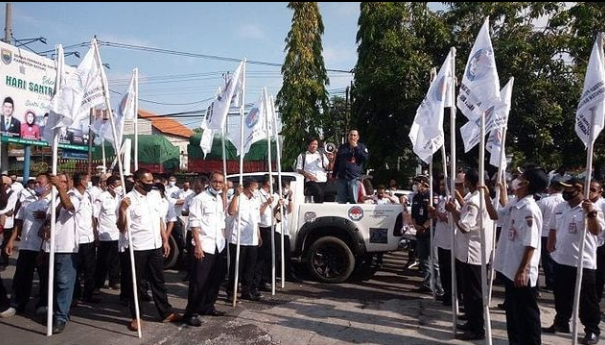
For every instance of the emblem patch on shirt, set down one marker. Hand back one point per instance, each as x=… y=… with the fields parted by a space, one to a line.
x=355 y=213
x=529 y=221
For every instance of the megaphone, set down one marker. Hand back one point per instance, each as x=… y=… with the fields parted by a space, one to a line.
x=329 y=148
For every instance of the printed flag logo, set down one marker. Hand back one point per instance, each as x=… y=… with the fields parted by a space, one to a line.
x=7 y=56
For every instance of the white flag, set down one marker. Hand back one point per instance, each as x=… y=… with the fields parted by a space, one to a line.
x=480 y=86
x=255 y=126
x=82 y=90
x=235 y=84
x=208 y=134
x=593 y=96
x=496 y=117
x=426 y=133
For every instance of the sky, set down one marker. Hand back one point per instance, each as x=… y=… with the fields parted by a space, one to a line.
x=219 y=34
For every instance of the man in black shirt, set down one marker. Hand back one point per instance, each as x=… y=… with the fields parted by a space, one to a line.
x=349 y=167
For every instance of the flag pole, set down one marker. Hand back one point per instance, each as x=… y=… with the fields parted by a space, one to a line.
x=453 y=110
x=136 y=119
x=225 y=194
x=431 y=234
x=265 y=105
x=577 y=291
x=121 y=170
x=241 y=183
x=281 y=224
x=482 y=233
x=499 y=179
x=53 y=200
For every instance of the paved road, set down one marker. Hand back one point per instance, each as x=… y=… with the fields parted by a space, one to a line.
x=377 y=310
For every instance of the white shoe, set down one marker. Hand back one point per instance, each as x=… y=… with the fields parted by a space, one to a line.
x=41 y=310
x=8 y=312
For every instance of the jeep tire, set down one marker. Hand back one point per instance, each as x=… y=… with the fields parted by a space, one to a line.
x=330 y=260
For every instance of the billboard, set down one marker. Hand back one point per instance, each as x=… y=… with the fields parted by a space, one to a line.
x=27 y=84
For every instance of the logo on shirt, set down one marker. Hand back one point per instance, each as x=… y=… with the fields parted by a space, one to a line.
x=355 y=213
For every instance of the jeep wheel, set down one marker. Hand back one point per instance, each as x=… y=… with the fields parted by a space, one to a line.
x=330 y=260
x=173 y=257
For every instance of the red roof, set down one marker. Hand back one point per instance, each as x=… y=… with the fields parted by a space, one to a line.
x=166 y=125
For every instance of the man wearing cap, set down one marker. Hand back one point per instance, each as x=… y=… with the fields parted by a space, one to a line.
x=566 y=226
x=421 y=219
x=9 y=125
x=547 y=206
x=518 y=255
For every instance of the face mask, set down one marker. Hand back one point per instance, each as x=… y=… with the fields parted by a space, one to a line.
x=256 y=194
x=40 y=190
x=118 y=189
x=213 y=191
x=516 y=184
x=568 y=195
x=171 y=183
x=415 y=188
x=147 y=187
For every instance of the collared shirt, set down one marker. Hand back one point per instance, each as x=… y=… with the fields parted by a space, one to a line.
x=349 y=161
x=208 y=216
x=186 y=207
x=315 y=164
x=84 y=218
x=30 y=240
x=10 y=206
x=66 y=230
x=266 y=217
x=27 y=197
x=468 y=243
x=521 y=230
x=249 y=208
x=106 y=212
x=568 y=223
x=547 y=206
x=167 y=212
x=145 y=217
x=443 y=228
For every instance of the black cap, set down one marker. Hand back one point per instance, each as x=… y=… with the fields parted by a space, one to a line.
x=572 y=182
x=422 y=179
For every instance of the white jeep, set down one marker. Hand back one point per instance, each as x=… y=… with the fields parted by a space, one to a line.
x=331 y=238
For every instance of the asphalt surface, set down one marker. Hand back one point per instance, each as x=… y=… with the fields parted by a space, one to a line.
x=371 y=309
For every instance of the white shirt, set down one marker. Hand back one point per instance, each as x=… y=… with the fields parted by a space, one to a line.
x=547 y=206
x=31 y=225
x=284 y=221
x=84 y=218
x=208 y=216
x=468 y=244
x=443 y=228
x=106 y=212
x=27 y=197
x=186 y=206
x=249 y=208
x=145 y=217
x=167 y=212
x=600 y=204
x=315 y=164
x=568 y=223
x=521 y=230
x=266 y=217
x=10 y=206
x=66 y=230
x=172 y=192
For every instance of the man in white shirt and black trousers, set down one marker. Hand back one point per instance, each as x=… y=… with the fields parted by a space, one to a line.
x=207 y=220
x=149 y=242
x=563 y=244
x=314 y=165
x=518 y=255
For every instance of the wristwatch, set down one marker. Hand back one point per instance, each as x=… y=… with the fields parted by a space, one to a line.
x=591 y=214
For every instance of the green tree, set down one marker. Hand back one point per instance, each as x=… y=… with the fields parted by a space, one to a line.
x=398 y=43
x=303 y=98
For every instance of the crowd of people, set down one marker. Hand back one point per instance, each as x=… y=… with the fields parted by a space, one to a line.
x=94 y=218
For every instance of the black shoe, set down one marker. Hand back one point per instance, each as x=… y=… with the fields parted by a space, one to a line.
x=590 y=339
x=215 y=312
x=59 y=327
x=556 y=329
x=252 y=297
x=468 y=335
x=193 y=321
